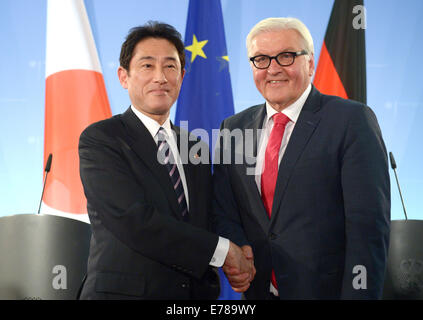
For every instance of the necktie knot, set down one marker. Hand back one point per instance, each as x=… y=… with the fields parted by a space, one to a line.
x=161 y=134
x=280 y=119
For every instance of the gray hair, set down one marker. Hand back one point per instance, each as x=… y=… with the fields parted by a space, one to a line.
x=275 y=24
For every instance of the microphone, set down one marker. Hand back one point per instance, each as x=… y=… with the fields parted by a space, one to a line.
x=47 y=170
x=394 y=166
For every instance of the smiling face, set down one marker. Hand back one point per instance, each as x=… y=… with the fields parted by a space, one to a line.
x=281 y=86
x=154 y=77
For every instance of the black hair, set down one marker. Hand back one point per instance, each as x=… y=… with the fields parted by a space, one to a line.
x=152 y=29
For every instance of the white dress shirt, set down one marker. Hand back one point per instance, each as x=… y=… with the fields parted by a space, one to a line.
x=292 y=112
x=153 y=127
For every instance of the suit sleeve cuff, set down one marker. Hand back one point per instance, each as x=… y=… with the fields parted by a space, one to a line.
x=220 y=253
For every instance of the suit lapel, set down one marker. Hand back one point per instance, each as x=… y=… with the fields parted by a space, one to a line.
x=143 y=144
x=191 y=170
x=303 y=130
x=256 y=124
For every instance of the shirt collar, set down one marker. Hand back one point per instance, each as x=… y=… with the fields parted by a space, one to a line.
x=293 y=110
x=152 y=125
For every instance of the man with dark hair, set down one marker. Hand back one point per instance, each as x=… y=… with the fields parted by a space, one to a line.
x=149 y=212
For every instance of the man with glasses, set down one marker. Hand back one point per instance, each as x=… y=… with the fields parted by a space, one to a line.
x=315 y=208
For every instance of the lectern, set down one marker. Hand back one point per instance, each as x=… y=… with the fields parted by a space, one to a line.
x=42 y=256
x=404 y=276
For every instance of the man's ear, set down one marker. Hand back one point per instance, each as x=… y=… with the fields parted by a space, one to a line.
x=123 y=77
x=311 y=65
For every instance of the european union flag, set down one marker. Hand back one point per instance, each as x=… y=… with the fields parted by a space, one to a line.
x=206 y=94
x=206 y=99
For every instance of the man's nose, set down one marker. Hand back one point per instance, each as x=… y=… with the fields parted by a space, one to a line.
x=274 y=67
x=159 y=75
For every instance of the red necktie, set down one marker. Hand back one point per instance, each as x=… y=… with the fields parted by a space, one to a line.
x=271 y=163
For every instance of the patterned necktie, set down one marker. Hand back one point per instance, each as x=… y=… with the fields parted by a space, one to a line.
x=166 y=158
x=271 y=163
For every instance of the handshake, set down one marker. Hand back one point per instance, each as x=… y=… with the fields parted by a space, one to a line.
x=239 y=267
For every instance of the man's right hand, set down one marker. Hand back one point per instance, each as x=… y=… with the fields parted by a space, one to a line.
x=239 y=267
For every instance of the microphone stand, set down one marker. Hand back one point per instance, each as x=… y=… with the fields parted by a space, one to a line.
x=394 y=166
x=47 y=170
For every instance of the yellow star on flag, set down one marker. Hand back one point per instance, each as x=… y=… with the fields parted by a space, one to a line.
x=225 y=58
x=196 y=48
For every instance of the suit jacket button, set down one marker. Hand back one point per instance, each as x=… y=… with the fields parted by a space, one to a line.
x=185 y=285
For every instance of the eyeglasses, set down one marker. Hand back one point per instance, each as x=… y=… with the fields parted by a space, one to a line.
x=284 y=59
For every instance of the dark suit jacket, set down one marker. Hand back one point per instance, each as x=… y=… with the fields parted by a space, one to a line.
x=331 y=210
x=140 y=247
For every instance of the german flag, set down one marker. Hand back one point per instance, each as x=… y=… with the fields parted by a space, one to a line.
x=341 y=69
